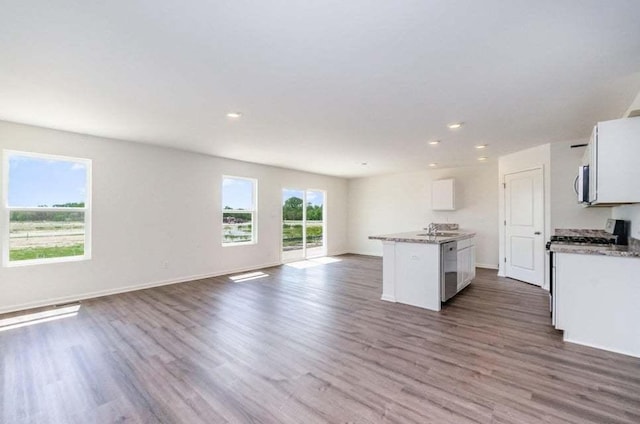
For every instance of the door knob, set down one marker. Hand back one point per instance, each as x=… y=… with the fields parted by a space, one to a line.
x=537 y=233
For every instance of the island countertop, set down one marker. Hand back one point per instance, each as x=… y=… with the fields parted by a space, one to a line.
x=423 y=237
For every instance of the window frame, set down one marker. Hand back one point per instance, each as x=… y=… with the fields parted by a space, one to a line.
x=6 y=209
x=253 y=211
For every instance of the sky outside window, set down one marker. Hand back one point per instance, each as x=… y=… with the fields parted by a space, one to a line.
x=315 y=198
x=37 y=182
x=237 y=193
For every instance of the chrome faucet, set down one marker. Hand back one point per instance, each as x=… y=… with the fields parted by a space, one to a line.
x=432 y=230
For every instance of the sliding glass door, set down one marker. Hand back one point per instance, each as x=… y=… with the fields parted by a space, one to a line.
x=303 y=225
x=293 y=246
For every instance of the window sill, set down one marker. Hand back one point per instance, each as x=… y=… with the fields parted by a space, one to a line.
x=242 y=243
x=29 y=262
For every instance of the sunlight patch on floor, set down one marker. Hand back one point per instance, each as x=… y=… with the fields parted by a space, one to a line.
x=241 y=278
x=309 y=263
x=39 y=317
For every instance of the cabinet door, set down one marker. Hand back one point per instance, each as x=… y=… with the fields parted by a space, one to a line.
x=472 y=262
x=459 y=266
x=463 y=266
x=443 y=195
x=614 y=160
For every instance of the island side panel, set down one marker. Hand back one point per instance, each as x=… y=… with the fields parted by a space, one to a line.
x=388 y=271
x=417 y=275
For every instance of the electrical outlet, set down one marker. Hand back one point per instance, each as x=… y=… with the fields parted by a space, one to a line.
x=164 y=264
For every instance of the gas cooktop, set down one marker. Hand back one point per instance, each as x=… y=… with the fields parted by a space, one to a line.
x=582 y=240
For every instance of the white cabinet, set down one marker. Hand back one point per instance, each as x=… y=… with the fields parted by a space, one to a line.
x=443 y=195
x=411 y=274
x=612 y=156
x=596 y=301
x=466 y=262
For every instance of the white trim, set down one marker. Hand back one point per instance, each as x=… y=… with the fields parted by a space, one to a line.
x=125 y=289
x=45 y=209
x=373 y=254
x=4 y=211
x=46 y=156
x=340 y=252
x=46 y=261
x=567 y=339
x=487 y=266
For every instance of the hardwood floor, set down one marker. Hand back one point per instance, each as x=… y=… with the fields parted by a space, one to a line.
x=311 y=345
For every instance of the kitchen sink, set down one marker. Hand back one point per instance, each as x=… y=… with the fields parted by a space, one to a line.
x=439 y=234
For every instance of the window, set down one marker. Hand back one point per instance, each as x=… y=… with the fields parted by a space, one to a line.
x=47 y=208
x=238 y=210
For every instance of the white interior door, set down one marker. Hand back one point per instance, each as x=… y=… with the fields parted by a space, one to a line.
x=524 y=226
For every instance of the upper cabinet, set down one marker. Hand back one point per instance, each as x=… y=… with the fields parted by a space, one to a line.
x=613 y=156
x=443 y=195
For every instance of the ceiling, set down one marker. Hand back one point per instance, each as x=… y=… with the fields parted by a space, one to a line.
x=326 y=85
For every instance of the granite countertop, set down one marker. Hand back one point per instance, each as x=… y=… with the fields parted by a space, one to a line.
x=611 y=250
x=630 y=251
x=422 y=237
x=582 y=232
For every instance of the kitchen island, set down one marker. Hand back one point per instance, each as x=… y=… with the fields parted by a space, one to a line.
x=415 y=266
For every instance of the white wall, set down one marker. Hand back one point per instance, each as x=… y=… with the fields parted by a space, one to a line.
x=535 y=157
x=402 y=202
x=566 y=212
x=630 y=212
x=152 y=205
x=634 y=106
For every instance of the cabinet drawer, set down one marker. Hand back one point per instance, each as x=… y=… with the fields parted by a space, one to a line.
x=463 y=244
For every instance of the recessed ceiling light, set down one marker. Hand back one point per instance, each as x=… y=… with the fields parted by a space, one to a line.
x=481 y=146
x=483 y=158
x=234 y=115
x=433 y=164
x=434 y=142
x=454 y=125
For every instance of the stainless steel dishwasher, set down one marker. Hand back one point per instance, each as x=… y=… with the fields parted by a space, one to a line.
x=448 y=270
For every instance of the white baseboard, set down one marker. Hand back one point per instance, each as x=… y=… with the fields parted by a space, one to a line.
x=487 y=266
x=339 y=252
x=125 y=289
x=566 y=338
x=376 y=254
x=388 y=298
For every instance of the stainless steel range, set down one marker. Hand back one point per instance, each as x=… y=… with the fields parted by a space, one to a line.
x=615 y=232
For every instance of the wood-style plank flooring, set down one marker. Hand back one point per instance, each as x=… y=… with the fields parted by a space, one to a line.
x=314 y=345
